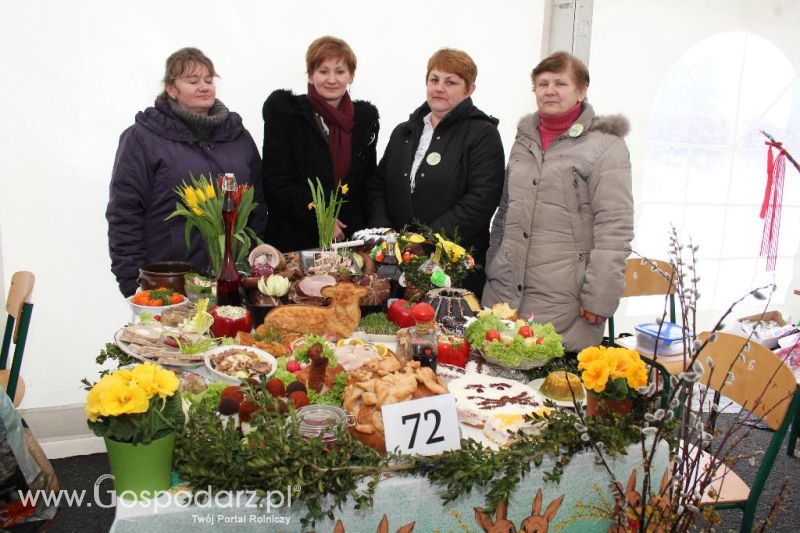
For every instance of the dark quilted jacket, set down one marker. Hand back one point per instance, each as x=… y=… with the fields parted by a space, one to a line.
x=296 y=150
x=155 y=156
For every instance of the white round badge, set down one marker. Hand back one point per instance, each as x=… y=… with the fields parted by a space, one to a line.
x=575 y=130
x=434 y=158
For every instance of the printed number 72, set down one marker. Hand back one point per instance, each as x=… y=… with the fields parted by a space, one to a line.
x=432 y=439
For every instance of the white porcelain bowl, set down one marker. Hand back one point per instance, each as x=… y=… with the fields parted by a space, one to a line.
x=153 y=309
x=221 y=376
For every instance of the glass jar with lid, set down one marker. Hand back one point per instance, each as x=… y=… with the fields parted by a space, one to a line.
x=321 y=421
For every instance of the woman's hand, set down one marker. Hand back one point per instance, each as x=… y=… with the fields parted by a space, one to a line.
x=338 y=231
x=590 y=317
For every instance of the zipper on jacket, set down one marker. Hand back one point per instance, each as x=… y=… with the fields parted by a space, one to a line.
x=575 y=186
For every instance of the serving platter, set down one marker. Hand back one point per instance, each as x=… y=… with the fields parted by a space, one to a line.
x=167 y=363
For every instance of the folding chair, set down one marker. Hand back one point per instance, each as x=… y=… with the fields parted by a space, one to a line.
x=19 y=309
x=767 y=388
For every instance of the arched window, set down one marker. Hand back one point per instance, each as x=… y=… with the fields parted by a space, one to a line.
x=705 y=164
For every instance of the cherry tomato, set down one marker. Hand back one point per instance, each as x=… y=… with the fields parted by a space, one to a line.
x=406 y=256
x=540 y=340
x=379 y=257
x=493 y=335
x=525 y=332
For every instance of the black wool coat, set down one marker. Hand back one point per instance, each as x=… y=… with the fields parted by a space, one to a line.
x=459 y=193
x=296 y=150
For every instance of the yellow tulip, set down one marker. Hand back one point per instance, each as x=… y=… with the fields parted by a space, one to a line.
x=210 y=192
x=345 y=189
x=595 y=377
x=123 y=399
x=197 y=211
x=191 y=196
x=201 y=196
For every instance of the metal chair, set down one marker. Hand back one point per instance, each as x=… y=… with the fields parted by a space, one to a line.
x=19 y=309
x=767 y=388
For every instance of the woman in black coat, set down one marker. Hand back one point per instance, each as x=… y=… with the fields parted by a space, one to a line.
x=444 y=167
x=321 y=134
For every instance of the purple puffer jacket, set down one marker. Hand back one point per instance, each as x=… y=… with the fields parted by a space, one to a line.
x=155 y=156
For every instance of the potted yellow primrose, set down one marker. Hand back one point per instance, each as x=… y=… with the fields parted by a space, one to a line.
x=137 y=412
x=611 y=377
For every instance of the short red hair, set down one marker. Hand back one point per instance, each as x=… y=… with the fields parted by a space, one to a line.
x=456 y=62
x=327 y=47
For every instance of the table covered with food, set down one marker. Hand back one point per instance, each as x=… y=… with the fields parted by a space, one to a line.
x=292 y=395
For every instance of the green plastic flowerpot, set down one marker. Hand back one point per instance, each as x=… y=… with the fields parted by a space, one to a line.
x=141 y=470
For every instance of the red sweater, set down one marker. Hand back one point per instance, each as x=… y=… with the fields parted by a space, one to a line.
x=551 y=126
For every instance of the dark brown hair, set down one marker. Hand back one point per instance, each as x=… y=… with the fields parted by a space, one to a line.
x=455 y=61
x=559 y=62
x=183 y=61
x=327 y=47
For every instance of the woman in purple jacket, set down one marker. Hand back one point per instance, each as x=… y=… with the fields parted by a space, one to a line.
x=187 y=131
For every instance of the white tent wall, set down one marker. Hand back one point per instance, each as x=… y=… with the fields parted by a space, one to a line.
x=77 y=72
x=635 y=43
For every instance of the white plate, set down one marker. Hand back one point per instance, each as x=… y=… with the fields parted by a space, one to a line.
x=536 y=385
x=219 y=376
x=153 y=309
x=125 y=347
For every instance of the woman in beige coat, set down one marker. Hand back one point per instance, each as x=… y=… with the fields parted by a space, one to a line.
x=563 y=229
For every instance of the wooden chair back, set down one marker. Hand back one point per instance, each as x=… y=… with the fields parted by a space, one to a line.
x=642 y=279
x=761 y=382
x=18 y=295
x=19 y=308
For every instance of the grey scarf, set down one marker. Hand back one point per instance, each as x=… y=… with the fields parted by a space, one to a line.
x=203 y=126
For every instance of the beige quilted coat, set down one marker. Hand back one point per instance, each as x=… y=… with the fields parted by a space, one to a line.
x=563 y=229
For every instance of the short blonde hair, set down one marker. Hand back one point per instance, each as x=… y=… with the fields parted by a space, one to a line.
x=327 y=47
x=455 y=61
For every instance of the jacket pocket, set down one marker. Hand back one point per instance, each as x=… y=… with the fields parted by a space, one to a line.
x=581 y=190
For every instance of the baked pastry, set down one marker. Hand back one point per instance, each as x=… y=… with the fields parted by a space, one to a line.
x=340 y=318
x=380 y=383
x=557 y=386
x=478 y=396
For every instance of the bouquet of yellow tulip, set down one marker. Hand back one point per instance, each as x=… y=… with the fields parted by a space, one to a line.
x=201 y=205
x=326 y=210
x=136 y=405
x=613 y=373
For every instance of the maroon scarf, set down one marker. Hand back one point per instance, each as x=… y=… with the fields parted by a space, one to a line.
x=340 y=123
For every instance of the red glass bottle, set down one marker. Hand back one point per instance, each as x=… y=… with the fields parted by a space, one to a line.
x=228 y=280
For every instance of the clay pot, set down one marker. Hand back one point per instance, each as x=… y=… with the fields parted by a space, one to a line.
x=167 y=274
x=599 y=406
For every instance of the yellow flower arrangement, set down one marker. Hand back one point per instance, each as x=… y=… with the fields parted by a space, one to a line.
x=326 y=210
x=201 y=205
x=612 y=372
x=137 y=405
